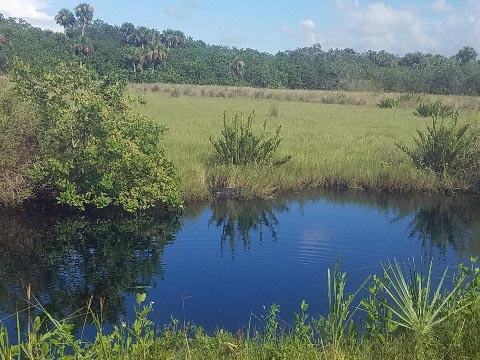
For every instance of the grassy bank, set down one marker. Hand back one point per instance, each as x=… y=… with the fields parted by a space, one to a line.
x=343 y=145
x=406 y=317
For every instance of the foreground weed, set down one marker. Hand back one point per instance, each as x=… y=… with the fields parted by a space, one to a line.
x=338 y=327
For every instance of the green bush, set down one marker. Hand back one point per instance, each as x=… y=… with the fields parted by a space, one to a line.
x=95 y=150
x=445 y=147
x=238 y=144
x=18 y=146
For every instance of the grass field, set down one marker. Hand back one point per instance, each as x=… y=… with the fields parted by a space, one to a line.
x=338 y=146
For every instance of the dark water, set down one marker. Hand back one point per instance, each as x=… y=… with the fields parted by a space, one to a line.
x=218 y=264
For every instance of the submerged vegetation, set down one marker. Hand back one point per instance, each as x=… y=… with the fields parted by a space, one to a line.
x=404 y=320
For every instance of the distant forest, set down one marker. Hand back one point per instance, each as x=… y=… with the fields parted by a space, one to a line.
x=141 y=54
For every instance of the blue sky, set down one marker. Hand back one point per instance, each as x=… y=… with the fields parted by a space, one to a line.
x=435 y=26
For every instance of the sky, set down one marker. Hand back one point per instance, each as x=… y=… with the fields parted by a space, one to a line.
x=430 y=26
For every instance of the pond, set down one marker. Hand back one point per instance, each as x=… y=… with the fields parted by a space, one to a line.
x=224 y=264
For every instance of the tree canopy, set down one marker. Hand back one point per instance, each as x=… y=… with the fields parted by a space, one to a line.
x=142 y=54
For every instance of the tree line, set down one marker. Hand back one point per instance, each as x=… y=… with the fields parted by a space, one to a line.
x=142 y=54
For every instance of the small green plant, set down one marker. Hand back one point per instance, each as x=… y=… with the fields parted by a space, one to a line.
x=239 y=144
x=387 y=103
x=445 y=147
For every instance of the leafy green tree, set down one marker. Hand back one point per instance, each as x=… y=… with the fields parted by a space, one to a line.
x=66 y=19
x=84 y=13
x=95 y=150
x=466 y=54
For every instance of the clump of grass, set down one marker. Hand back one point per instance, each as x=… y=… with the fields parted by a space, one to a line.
x=175 y=92
x=239 y=144
x=274 y=110
x=387 y=103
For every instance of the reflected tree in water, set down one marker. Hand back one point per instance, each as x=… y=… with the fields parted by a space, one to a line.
x=238 y=220
x=70 y=259
x=439 y=224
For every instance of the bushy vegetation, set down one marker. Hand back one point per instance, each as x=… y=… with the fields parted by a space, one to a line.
x=404 y=320
x=239 y=144
x=445 y=147
x=90 y=148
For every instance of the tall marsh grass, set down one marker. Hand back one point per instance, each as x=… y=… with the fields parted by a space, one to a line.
x=357 y=98
x=429 y=325
x=343 y=147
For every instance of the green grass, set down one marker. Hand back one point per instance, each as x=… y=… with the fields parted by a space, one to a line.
x=333 y=146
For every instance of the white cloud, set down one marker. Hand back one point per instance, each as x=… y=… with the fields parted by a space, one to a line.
x=32 y=11
x=307 y=31
x=378 y=26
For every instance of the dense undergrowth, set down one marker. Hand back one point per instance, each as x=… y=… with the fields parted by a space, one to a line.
x=406 y=316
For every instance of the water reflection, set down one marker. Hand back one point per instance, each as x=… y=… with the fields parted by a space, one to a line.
x=238 y=220
x=68 y=259
x=280 y=250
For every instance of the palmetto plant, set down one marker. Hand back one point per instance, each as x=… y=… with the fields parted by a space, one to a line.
x=411 y=301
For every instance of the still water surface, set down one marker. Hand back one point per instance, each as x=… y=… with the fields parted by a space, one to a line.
x=219 y=264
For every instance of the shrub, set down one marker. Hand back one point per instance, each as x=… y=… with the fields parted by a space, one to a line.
x=240 y=145
x=94 y=149
x=18 y=146
x=445 y=147
x=387 y=103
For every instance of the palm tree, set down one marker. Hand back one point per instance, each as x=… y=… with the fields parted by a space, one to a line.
x=84 y=14
x=155 y=55
x=83 y=49
x=143 y=36
x=137 y=58
x=128 y=30
x=3 y=40
x=237 y=66
x=173 y=38
x=66 y=19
